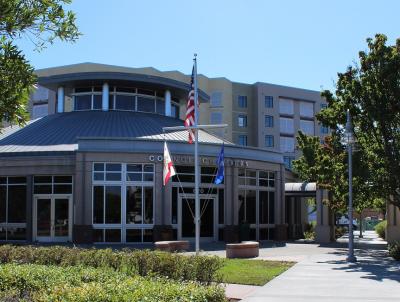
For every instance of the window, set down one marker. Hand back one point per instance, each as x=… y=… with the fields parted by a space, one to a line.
x=145 y=104
x=307 y=127
x=269 y=141
x=247 y=206
x=286 y=106
x=40 y=110
x=287 y=160
x=269 y=121
x=286 y=125
x=12 y=208
x=242 y=101
x=216 y=99
x=175 y=110
x=123 y=202
x=186 y=174
x=242 y=120
x=124 y=102
x=324 y=106
x=52 y=184
x=324 y=130
x=242 y=140
x=216 y=118
x=306 y=109
x=87 y=98
x=256 y=196
x=287 y=144
x=268 y=101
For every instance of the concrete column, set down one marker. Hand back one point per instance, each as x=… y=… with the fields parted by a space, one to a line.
x=324 y=229
x=29 y=208
x=159 y=203
x=393 y=223
x=228 y=195
x=167 y=103
x=105 y=97
x=235 y=196
x=60 y=99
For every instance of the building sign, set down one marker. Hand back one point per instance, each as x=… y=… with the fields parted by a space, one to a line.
x=205 y=161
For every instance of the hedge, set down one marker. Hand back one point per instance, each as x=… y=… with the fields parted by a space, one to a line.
x=32 y=282
x=132 y=262
x=380 y=229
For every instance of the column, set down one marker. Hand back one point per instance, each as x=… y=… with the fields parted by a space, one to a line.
x=324 y=229
x=105 y=97
x=393 y=223
x=60 y=99
x=167 y=103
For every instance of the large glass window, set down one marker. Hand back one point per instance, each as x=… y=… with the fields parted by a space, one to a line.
x=124 y=102
x=307 y=127
x=13 y=208
x=216 y=99
x=87 y=98
x=123 y=202
x=306 y=109
x=287 y=144
x=286 y=106
x=286 y=125
x=60 y=184
x=256 y=198
x=145 y=104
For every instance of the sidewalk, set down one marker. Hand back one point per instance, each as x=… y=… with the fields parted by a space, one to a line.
x=326 y=276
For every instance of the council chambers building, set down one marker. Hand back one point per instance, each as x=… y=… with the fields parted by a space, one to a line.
x=88 y=167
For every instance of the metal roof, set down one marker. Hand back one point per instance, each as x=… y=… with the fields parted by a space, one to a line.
x=60 y=132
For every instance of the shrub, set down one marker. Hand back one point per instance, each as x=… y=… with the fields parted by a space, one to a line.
x=132 y=262
x=340 y=231
x=380 y=229
x=309 y=230
x=52 y=283
x=394 y=250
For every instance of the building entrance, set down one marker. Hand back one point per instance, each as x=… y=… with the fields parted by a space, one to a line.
x=52 y=218
x=208 y=220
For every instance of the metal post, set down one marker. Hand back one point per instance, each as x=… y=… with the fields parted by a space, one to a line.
x=350 y=257
x=196 y=161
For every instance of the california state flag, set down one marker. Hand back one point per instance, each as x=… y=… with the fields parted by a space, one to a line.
x=169 y=169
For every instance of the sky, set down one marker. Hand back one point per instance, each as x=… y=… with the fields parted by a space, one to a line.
x=299 y=43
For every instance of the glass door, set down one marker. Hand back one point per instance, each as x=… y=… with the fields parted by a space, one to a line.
x=207 y=221
x=52 y=219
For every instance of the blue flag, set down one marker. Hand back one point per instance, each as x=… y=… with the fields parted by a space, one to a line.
x=221 y=171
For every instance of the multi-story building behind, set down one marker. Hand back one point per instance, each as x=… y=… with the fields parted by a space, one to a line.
x=260 y=115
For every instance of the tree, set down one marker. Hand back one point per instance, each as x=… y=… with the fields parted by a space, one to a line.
x=371 y=91
x=42 y=22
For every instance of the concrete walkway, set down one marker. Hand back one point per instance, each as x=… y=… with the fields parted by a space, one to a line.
x=322 y=274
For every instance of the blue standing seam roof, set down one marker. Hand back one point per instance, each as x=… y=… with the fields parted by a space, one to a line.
x=60 y=132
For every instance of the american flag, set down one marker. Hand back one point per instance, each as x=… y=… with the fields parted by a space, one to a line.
x=190 y=112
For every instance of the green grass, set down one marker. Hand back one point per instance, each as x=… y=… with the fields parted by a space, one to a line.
x=252 y=272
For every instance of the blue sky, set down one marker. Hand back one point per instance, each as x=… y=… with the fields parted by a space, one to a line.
x=288 y=42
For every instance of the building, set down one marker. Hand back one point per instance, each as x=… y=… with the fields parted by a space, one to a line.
x=259 y=115
x=90 y=169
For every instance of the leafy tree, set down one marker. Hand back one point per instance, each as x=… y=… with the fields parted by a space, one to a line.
x=40 y=21
x=371 y=91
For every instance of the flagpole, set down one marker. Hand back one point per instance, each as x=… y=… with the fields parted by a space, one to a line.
x=196 y=160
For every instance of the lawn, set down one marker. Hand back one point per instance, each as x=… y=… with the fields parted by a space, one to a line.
x=252 y=272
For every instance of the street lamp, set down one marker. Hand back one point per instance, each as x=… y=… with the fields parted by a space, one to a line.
x=350 y=140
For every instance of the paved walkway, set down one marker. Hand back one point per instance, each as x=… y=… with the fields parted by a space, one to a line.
x=322 y=274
